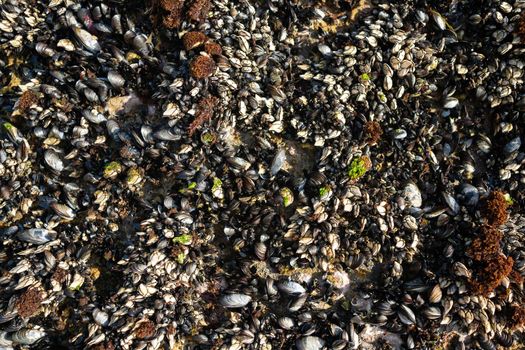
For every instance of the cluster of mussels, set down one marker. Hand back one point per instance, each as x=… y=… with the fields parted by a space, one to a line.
x=248 y=174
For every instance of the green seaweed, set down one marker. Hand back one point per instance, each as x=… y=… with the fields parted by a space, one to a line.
x=357 y=168
x=183 y=239
x=323 y=191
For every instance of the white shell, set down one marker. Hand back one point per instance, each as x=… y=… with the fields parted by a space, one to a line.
x=53 y=160
x=286 y=323
x=412 y=195
x=36 y=236
x=406 y=315
x=451 y=102
x=290 y=287
x=309 y=343
x=278 y=161
x=27 y=336
x=89 y=41
x=235 y=300
x=100 y=317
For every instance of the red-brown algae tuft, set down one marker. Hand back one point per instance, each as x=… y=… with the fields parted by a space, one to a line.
x=205 y=111
x=192 y=40
x=493 y=271
x=212 y=48
x=29 y=302
x=373 y=132
x=198 y=10
x=517 y=317
x=202 y=67
x=146 y=329
x=486 y=244
x=496 y=208
x=26 y=100
x=173 y=17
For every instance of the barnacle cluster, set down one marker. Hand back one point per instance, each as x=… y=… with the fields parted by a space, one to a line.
x=195 y=174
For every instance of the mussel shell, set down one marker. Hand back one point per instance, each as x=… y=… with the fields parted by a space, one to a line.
x=513 y=145
x=435 y=294
x=5 y=342
x=115 y=79
x=27 y=336
x=234 y=300
x=291 y=287
x=260 y=250
x=116 y=23
x=412 y=195
x=505 y=339
x=63 y=210
x=286 y=323
x=278 y=161
x=297 y=303
x=100 y=317
x=309 y=343
x=406 y=315
x=88 y=40
x=95 y=118
x=450 y=102
x=53 y=160
x=36 y=236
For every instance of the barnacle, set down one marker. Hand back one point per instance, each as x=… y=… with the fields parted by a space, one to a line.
x=183 y=239
x=216 y=189
x=134 y=176
x=287 y=196
x=208 y=138
x=323 y=191
x=341 y=14
x=112 y=169
x=143 y=262
x=13 y=83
